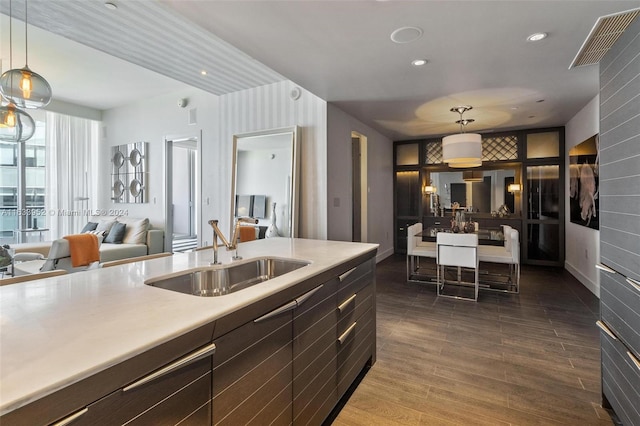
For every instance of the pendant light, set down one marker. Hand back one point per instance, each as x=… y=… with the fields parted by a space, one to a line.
x=23 y=87
x=15 y=124
x=463 y=150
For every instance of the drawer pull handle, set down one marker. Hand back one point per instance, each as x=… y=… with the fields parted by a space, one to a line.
x=634 y=360
x=300 y=300
x=192 y=357
x=346 y=334
x=346 y=274
x=605 y=268
x=284 y=308
x=635 y=284
x=606 y=329
x=344 y=304
x=74 y=416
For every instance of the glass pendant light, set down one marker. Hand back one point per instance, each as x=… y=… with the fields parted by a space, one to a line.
x=15 y=124
x=23 y=87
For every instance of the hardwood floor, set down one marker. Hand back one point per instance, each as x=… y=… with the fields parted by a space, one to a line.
x=527 y=359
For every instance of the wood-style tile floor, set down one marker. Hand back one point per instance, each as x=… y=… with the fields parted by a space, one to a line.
x=527 y=359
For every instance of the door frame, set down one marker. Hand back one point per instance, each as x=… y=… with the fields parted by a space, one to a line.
x=168 y=186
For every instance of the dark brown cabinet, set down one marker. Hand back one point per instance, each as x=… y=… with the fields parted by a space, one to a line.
x=292 y=365
x=177 y=393
x=314 y=356
x=252 y=372
x=182 y=395
x=258 y=365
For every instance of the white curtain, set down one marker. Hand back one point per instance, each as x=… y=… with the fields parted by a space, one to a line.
x=70 y=143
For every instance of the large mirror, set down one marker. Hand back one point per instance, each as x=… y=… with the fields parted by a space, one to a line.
x=265 y=178
x=480 y=191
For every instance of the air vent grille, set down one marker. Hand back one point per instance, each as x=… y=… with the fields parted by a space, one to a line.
x=603 y=35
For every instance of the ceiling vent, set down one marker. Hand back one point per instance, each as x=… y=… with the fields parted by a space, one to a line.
x=603 y=35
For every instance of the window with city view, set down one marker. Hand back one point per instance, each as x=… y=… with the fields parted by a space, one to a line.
x=22 y=204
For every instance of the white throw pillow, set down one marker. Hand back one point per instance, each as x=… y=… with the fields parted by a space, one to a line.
x=136 y=232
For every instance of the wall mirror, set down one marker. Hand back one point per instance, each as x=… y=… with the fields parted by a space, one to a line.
x=480 y=191
x=266 y=174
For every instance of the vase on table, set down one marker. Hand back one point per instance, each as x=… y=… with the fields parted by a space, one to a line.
x=272 y=230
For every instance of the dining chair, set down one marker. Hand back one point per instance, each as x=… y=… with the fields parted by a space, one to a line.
x=460 y=251
x=508 y=254
x=416 y=248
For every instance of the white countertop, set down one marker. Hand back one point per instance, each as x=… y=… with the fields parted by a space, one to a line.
x=60 y=330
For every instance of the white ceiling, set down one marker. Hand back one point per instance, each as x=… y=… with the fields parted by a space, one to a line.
x=339 y=50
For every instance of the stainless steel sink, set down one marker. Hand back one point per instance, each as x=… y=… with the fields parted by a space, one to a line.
x=225 y=279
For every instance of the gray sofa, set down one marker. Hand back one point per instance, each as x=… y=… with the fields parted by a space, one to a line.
x=137 y=241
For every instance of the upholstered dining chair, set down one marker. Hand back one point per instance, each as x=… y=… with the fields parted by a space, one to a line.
x=508 y=254
x=416 y=248
x=460 y=251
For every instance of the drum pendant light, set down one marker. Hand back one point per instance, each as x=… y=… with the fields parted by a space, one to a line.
x=463 y=150
x=23 y=87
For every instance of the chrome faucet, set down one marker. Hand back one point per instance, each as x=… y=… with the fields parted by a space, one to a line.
x=233 y=245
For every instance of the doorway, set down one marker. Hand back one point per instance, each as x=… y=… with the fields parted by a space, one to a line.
x=359 y=187
x=183 y=183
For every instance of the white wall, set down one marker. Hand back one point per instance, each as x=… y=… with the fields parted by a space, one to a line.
x=151 y=121
x=266 y=172
x=582 y=244
x=270 y=107
x=379 y=177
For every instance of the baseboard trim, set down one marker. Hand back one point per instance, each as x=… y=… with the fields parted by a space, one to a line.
x=585 y=281
x=383 y=255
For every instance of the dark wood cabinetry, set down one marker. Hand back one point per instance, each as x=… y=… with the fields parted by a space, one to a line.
x=252 y=372
x=182 y=396
x=314 y=356
x=292 y=365
x=286 y=359
x=426 y=189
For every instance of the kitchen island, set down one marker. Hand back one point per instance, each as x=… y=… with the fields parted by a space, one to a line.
x=75 y=345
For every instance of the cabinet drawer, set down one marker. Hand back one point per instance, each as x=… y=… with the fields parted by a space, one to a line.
x=354 y=350
x=620 y=309
x=353 y=306
x=620 y=380
x=354 y=279
x=167 y=400
x=252 y=372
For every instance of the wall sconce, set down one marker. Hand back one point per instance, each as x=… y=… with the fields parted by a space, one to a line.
x=430 y=189
x=514 y=187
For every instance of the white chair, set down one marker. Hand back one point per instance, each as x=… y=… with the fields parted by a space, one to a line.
x=460 y=251
x=416 y=248
x=508 y=254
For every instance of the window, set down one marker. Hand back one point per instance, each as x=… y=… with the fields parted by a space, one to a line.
x=22 y=203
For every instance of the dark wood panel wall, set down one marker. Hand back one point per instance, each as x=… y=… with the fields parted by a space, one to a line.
x=620 y=224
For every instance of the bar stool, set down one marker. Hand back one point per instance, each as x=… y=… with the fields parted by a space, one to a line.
x=461 y=251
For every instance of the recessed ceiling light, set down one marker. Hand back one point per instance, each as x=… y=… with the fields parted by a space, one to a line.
x=406 y=34
x=537 y=36
x=418 y=62
x=514 y=108
x=111 y=6
x=203 y=72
